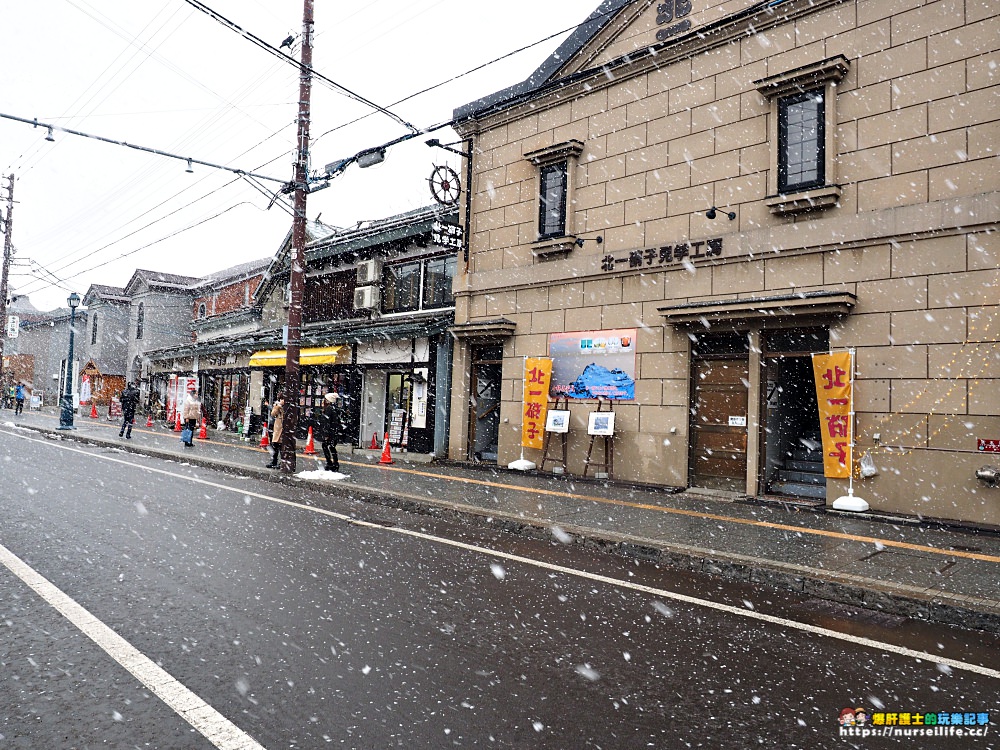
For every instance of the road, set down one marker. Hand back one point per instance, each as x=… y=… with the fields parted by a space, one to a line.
x=152 y=604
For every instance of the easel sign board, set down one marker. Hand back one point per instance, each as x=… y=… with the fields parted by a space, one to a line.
x=557 y=420
x=601 y=423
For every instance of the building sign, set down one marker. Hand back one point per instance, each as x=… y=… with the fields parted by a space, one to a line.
x=833 y=375
x=537 y=374
x=671 y=18
x=664 y=255
x=593 y=364
x=13 y=326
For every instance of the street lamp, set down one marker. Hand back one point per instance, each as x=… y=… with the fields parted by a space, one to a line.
x=66 y=412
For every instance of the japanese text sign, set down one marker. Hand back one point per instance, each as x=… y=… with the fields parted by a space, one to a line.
x=537 y=375
x=832 y=373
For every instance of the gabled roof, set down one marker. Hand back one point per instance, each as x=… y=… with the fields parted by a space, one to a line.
x=548 y=70
x=103 y=293
x=159 y=280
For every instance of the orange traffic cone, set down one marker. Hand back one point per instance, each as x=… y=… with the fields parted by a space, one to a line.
x=203 y=432
x=264 y=442
x=177 y=424
x=310 y=449
x=93 y=410
x=374 y=445
x=149 y=420
x=386 y=453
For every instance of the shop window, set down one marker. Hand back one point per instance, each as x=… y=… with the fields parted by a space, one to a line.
x=140 y=320
x=93 y=331
x=802 y=127
x=402 y=287
x=556 y=168
x=439 y=273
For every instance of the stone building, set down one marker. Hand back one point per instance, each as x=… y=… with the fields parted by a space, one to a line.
x=706 y=193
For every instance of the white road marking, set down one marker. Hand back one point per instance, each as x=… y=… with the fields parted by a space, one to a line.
x=215 y=727
x=663 y=593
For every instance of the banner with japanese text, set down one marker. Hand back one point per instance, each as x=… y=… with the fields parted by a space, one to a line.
x=537 y=375
x=834 y=386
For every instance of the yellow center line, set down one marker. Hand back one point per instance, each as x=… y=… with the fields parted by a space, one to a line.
x=674 y=511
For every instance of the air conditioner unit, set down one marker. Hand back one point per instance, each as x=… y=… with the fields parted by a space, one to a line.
x=365 y=297
x=369 y=271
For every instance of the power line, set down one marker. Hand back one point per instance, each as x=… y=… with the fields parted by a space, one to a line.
x=289 y=59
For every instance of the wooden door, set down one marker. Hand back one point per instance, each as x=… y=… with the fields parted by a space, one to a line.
x=719 y=424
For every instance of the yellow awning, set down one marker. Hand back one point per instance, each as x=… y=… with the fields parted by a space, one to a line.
x=320 y=355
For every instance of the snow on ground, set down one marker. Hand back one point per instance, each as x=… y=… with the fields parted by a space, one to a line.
x=327 y=476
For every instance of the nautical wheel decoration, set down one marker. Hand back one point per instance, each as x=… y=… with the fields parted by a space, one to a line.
x=445 y=186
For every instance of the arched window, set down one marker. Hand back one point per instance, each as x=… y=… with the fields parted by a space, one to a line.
x=202 y=310
x=93 y=331
x=139 y=321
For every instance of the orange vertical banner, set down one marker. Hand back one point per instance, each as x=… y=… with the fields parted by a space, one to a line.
x=537 y=374
x=833 y=374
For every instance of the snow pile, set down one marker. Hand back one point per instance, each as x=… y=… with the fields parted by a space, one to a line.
x=330 y=476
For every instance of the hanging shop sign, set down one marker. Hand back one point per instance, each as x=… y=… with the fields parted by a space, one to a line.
x=834 y=391
x=537 y=375
x=663 y=255
x=593 y=364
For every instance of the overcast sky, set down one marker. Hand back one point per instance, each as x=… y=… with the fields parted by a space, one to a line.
x=164 y=75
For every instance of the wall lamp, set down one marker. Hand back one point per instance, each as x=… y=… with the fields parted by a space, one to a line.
x=712 y=212
x=990 y=475
x=580 y=240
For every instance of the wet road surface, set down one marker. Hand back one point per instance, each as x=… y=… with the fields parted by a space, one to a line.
x=308 y=621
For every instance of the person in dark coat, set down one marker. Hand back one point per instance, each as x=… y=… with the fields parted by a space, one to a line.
x=130 y=402
x=333 y=430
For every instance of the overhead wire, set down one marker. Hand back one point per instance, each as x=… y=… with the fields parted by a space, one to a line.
x=289 y=59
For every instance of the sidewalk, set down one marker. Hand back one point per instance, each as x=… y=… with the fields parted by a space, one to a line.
x=902 y=568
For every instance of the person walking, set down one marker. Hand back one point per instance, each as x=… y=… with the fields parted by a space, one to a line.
x=19 y=394
x=191 y=415
x=277 y=418
x=333 y=430
x=130 y=402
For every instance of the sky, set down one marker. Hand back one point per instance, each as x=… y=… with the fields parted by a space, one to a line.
x=166 y=76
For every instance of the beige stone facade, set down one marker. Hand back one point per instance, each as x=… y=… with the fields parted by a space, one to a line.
x=893 y=251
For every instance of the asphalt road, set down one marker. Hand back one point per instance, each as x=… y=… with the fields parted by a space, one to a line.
x=233 y=613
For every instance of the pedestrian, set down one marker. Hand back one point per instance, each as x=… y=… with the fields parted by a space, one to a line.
x=191 y=415
x=277 y=418
x=19 y=394
x=130 y=401
x=333 y=430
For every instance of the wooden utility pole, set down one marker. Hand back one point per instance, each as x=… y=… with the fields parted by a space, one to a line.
x=297 y=278
x=8 y=250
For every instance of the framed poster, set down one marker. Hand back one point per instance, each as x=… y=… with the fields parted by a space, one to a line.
x=557 y=420
x=593 y=364
x=601 y=423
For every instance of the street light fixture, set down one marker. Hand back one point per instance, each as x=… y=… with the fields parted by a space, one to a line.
x=66 y=412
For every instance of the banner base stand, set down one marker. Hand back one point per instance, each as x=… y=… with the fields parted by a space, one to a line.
x=521 y=464
x=850 y=502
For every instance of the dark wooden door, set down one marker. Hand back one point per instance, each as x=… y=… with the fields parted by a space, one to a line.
x=719 y=424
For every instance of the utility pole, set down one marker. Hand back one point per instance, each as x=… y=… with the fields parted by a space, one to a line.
x=8 y=250
x=297 y=278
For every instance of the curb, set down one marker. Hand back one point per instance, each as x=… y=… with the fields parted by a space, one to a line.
x=857 y=591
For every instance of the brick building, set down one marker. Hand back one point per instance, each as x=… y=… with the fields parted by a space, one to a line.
x=712 y=191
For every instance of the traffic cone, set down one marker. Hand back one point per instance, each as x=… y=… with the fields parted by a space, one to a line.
x=93 y=410
x=203 y=432
x=310 y=449
x=264 y=442
x=149 y=420
x=374 y=445
x=177 y=424
x=386 y=453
